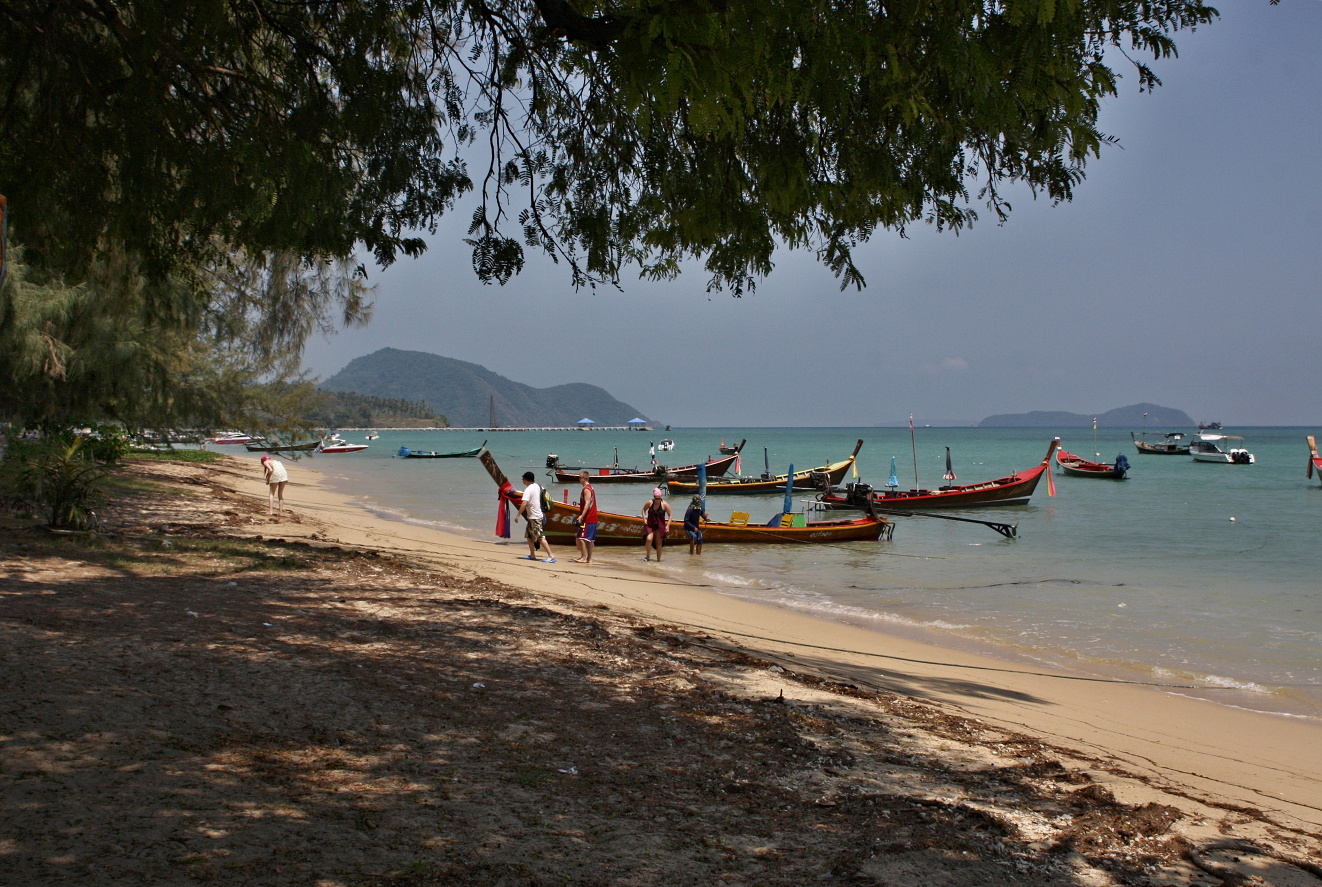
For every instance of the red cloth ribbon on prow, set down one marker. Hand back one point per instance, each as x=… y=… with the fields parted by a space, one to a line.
x=507 y=496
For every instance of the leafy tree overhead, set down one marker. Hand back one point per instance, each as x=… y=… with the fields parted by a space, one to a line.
x=607 y=133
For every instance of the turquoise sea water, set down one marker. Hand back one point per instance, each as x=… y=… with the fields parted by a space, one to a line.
x=1187 y=574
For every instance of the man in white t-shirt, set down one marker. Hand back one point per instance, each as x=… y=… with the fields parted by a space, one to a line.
x=530 y=506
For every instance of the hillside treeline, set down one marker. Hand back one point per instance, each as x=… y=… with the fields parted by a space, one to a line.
x=341 y=409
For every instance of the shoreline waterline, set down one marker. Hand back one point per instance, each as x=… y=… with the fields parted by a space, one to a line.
x=1297 y=701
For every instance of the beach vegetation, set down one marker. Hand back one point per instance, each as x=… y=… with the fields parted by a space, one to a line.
x=54 y=479
x=608 y=137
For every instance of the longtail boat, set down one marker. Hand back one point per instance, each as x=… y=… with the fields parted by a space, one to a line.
x=1077 y=466
x=282 y=448
x=614 y=474
x=406 y=453
x=728 y=451
x=624 y=529
x=1314 y=460
x=1013 y=489
x=820 y=478
x=1168 y=446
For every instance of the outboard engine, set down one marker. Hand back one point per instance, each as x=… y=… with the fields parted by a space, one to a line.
x=1121 y=463
x=858 y=493
x=403 y=453
x=1241 y=457
x=553 y=462
x=820 y=481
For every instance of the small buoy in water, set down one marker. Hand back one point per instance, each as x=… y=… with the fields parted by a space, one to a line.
x=1232 y=520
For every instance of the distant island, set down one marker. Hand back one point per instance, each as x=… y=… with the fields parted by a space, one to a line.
x=1132 y=417
x=463 y=392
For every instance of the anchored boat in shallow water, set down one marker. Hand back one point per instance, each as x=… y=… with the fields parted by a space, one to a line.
x=623 y=529
x=406 y=453
x=1169 y=445
x=1077 y=466
x=1217 y=448
x=1013 y=489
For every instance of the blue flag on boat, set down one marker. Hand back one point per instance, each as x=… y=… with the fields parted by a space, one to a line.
x=893 y=481
x=702 y=484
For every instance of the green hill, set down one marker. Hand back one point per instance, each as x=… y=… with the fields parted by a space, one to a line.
x=462 y=391
x=1129 y=418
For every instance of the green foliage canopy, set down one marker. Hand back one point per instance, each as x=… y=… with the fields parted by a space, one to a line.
x=607 y=133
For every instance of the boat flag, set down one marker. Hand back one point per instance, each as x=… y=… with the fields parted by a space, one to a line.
x=789 y=490
x=893 y=481
x=702 y=484
x=737 y=469
x=651 y=451
x=1051 y=484
x=1094 y=422
x=950 y=472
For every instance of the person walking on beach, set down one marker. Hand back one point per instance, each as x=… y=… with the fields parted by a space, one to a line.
x=656 y=517
x=276 y=478
x=530 y=506
x=693 y=519
x=586 y=538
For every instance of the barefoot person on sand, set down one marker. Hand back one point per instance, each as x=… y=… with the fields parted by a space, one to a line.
x=656 y=517
x=530 y=506
x=693 y=519
x=276 y=478
x=586 y=538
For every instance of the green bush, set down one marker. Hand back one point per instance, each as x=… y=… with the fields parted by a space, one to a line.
x=56 y=480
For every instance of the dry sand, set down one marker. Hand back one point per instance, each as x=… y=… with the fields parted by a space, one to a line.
x=204 y=694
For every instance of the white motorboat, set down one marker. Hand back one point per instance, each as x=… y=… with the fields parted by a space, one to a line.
x=336 y=444
x=232 y=437
x=1208 y=447
x=666 y=445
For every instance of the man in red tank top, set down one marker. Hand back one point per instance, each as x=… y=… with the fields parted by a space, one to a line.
x=586 y=538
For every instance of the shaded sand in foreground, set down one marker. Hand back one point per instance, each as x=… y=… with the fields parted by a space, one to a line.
x=368 y=702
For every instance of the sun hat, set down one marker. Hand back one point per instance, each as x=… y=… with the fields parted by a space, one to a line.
x=266 y=458
x=656 y=494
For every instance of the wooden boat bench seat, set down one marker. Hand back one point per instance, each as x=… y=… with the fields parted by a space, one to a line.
x=739 y=519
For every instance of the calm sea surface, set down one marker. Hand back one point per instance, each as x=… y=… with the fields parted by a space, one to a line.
x=1187 y=574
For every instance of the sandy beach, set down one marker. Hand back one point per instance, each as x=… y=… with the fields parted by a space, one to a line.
x=207 y=694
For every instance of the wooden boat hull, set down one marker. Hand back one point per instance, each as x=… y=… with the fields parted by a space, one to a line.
x=406 y=453
x=1165 y=448
x=280 y=448
x=715 y=468
x=753 y=486
x=624 y=529
x=1075 y=466
x=1013 y=489
x=1314 y=460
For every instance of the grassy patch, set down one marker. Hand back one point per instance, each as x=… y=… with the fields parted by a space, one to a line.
x=203 y=457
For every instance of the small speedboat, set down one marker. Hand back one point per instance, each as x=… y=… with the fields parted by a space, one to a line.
x=337 y=444
x=666 y=445
x=372 y=436
x=1215 y=448
x=232 y=437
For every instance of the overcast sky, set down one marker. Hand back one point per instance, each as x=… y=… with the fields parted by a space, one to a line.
x=1186 y=272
